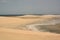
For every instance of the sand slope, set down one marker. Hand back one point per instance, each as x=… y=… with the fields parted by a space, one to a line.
x=13 y=22
x=11 y=34
x=8 y=33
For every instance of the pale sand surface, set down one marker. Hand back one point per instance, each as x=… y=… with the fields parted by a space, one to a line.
x=18 y=21
x=12 y=34
x=14 y=21
x=15 y=34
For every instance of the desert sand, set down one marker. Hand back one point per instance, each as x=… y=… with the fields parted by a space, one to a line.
x=8 y=31
x=11 y=34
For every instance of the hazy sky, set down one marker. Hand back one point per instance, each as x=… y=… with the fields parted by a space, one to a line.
x=29 y=6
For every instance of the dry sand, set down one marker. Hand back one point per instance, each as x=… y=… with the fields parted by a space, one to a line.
x=11 y=34
x=15 y=34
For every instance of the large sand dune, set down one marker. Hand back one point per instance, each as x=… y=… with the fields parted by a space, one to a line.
x=10 y=28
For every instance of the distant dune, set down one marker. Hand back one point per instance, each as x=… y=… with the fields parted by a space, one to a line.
x=30 y=27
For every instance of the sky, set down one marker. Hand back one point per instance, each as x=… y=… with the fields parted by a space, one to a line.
x=29 y=6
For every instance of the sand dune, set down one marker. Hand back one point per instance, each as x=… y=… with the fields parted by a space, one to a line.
x=18 y=21
x=11 y=34
x=14 y=21
x=10 y=28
